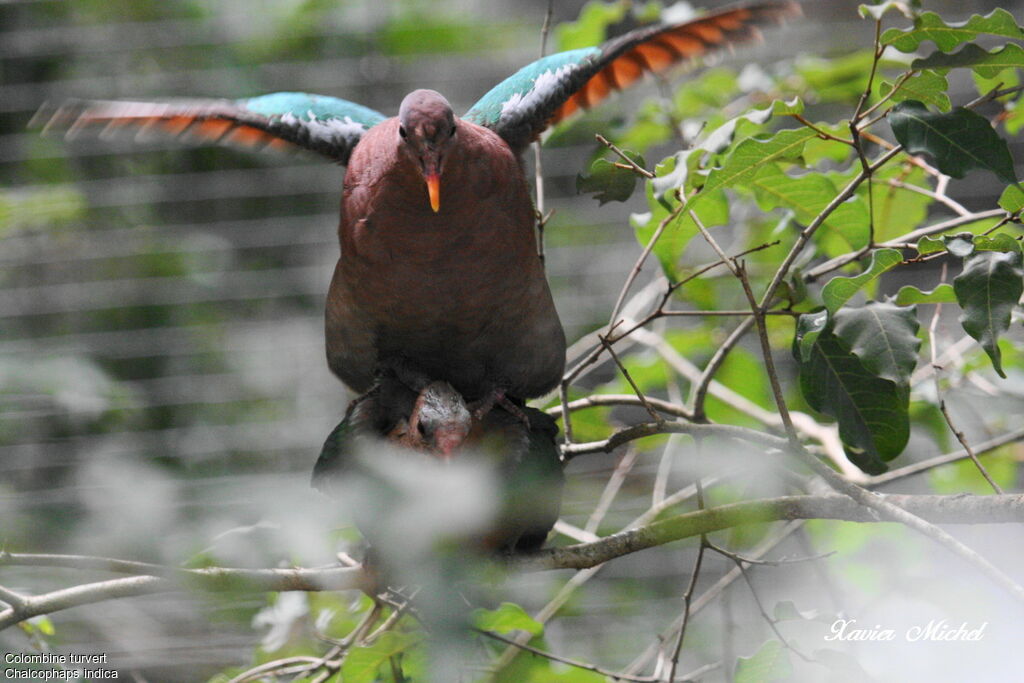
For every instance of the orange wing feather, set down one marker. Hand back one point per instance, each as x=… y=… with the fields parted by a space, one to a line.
x=655 y=51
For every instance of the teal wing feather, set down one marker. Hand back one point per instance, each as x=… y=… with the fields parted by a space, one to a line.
x=514 y=107
x=369 y=420
x=554 y=87
x=337 y=455
x=327 y=125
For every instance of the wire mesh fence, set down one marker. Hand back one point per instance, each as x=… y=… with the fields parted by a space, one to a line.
x=161 y=307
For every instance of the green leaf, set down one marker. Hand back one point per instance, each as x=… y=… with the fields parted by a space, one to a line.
x=931 y=245
x=988 y=288
x=818 y=149
x=841 y=79
x=963 y=477
x=839 y=290
x=744 y=372
x=507 y=618
x=1012 y=199
x=609 y=182
x=671 y=174
x=986 y=64
x=1014 y=117
x=958 y=141
x=770 y=663
x=998 y=242
x=711 y=90
x=591 y=28
x=419 y=33
x=715 y=142
x=961 y=244
x=909 y=295
x=928 y=87
x=872 y=411
x=649 y=125
x=41 y=624
x=753 y=154
x=884 y=337
x=362 y=663
x=1007 y=78
x=878 y=11
x=809 y=328
x=721 y=137
x=897 y=210
x=930 y=26
x=712 y=211
x=808 y=195
x=51 y=207
x=927 y=418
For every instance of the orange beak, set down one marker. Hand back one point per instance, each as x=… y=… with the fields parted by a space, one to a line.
x=434 y=190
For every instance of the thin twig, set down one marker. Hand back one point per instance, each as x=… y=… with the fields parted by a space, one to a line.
x=611 y=490
x=595 y=400
x=563 y=660
x=687 y=602
x=836 y=481
x=911 y=159
x=859 y=112
x=538 y=166
x=588 y=360
x=932 y=348
x=885 y=98
x=710 y=594
x=823 y=134
x=937 y=196
x=629 y=163
x=908 y=239
x=699 y=393
x=629 y=378
x=645 y=429
x=806 y=234
x=764 y=614
x=722 y=314
x=940 y=460
x=275 y=666
x=638 y=266
x=563 y=399
x=736 y=557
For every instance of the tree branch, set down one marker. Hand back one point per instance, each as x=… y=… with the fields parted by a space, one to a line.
x=596 y=400
x=965 y=509
x=212 y=579
x=639 y=431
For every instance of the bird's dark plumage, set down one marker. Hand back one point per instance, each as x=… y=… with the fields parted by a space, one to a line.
x=434 y=421
x=460 y=293
x=530 y=465
x=525 y=459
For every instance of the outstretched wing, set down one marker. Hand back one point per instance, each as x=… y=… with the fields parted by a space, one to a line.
x=552 y=88
x=327 y=125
